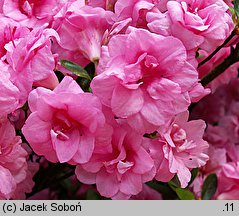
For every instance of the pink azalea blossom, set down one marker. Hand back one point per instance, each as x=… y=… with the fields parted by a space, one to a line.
x=133 y=125
x=138 y=10
x=228 y=182
x=213 y=107
x=31 y=61
x=221 y=112
x=216 y=135
x=179 y=148
x=9 y=31
x=135 y=9
x=161 y=4
x=206 y=23
x=9 y=93
x=63 y=122
x=227 y=132
x=32 y=13
x=218 y=158
x=147 y=193
x=145 y=78
x=26 y=186
x=121 y=172
x=13 y=164
x=82 y=28
x=222 y=135
x=230 y=122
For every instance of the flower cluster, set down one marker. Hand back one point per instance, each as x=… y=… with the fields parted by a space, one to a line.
x=105 y=87
x=222 y=135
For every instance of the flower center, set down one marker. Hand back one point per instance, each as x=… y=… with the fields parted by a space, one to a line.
x=62 y=125
x=124 y=166
x=178 y=134
x=189 y=8
x=26 y=7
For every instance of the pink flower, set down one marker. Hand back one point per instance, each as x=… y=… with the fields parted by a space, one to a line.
x=147 y=194
x=13 y=164
x=9 y=31
x=135 y=9
x=218 y=158
x=31 y=61
x=63 y=122
x=15 y=85
x=27 y=184
x=179 y=148
x=216 y=135
x=144 y=78
x=138 y=10
x=230 y=122
x=121 y=172
x=206 y=23
x=32 y=13
x=9 y=93
x=223 y=118
x=82 y=29
x=228 y=182
x=161 y=4
x=213 y=107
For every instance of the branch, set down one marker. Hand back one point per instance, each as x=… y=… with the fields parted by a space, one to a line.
x=218 y=48
x=219 y=69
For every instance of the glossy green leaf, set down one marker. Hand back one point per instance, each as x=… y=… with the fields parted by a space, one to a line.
x=75 y=69
x=209 y=187
x=184 y=194
x=194 y=174
x=174 y=183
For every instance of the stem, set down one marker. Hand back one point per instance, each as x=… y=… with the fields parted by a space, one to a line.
x=219 y=69
x=217 y=49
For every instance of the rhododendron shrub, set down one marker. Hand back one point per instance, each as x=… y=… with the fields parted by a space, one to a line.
x=116 y=99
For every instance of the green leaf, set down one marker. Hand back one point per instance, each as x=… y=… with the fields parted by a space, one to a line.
x=174 y=183
x=194 y=174
x=209 y=187
x=232 y=10
x=184 y=194
x=233 y=15
x=236 y=7
x=75 y=69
